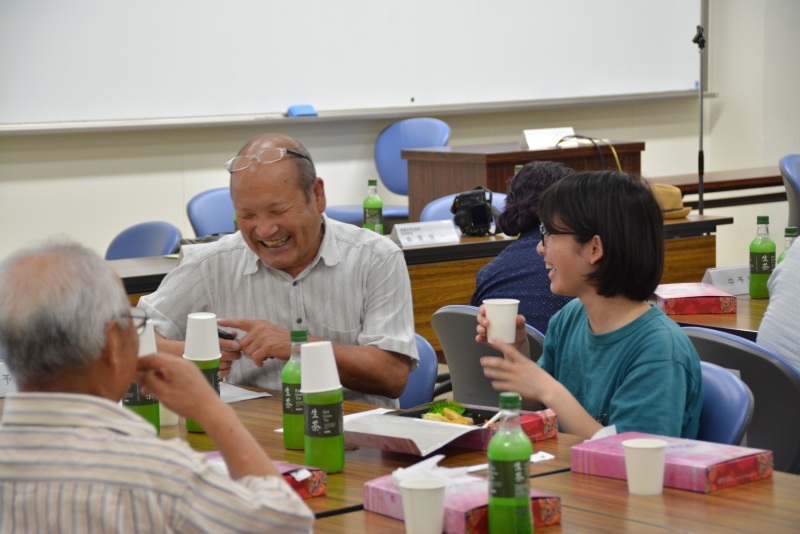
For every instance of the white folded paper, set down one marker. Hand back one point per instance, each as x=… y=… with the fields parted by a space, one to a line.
x=231 y=393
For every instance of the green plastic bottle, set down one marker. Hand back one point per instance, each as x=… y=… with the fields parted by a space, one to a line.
x=210 y=369
x=134 y=400
x=324 y=430
x=144 y=405
x=373 y=209
x=293 y=432
x=509 y=455
x=789 y=236
x=762 y=259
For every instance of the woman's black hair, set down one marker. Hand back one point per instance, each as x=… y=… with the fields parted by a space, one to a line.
x=521 y=212
x=622 y=210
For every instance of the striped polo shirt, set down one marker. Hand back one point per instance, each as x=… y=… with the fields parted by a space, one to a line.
x=81 y=463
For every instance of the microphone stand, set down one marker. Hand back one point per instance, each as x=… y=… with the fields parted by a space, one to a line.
x=700 y=41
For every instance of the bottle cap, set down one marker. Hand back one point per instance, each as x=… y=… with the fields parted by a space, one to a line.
x=299 y=336
x=791 y=231
x=510 y=400
x=517 y=168
x=762 y=219
x=373 y=182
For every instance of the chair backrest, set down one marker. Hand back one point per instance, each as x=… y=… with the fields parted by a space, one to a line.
x=211 y=212
x=146 y=239
x=439 y=209
x=406 y=134
x=419 y=388
x=790 y=172
x=776 y=391
x=455 y=328
x=727 y=406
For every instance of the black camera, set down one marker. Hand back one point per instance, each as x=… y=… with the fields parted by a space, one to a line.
x=472 y=211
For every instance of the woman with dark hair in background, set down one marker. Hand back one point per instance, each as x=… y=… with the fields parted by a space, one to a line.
x=609 y=358
x=518 y=272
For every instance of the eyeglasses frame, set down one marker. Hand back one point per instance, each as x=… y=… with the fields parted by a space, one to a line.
x=283 y=151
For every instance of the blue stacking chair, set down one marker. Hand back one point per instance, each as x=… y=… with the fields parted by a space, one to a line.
x=146 y=239
x=392 y=169
x=790 y=172
x=455 y=327
x=775 y=385
x=439 y=209
x=419 y=388
x=211 y=212
x=727 y=406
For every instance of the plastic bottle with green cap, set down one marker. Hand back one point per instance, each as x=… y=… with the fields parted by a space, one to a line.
x=509 y=456
x=789 y=236
x=373 y=209
x=323 y=421
x=293 y=436
x=762 y=259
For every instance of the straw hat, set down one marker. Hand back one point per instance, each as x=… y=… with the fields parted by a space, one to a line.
x=670 y=199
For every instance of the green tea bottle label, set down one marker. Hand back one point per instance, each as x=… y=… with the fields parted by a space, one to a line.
x=762 y=262
x=509 y=479
x=134 y=397
x=212 y=375
x=292 y=399
x=324 y=420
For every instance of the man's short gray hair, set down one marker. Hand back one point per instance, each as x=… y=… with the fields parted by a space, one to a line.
x=55 y=303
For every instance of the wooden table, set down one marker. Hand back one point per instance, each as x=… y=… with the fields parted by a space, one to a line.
x=263 y=416
x=733 y=180
x=744 y=323
x=588 y=503
x=437 y=172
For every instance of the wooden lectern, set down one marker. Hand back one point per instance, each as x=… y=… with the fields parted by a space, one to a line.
x=437 y=172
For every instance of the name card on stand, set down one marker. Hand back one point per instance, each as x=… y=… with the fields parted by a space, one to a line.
x=732 y=280
x=545 y=138
x=423 y=234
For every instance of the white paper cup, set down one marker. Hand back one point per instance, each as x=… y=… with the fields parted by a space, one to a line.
x=644 y=465
x=147 y=341
x=202 y=340
x=423 y=505
x=318 y=371
x=502 y=315
x=167 y=416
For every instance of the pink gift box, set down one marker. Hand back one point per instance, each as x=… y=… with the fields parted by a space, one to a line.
x=689 y=464
x=465 y=505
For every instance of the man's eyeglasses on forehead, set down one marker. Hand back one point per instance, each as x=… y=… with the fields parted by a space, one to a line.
x=547 y=233
x=270 y=155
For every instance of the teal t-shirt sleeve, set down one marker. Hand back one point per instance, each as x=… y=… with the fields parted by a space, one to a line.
x=649 y=398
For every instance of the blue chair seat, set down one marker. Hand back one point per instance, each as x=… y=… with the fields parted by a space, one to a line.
x=392 y=168
x=353 y=214
x=419 y=388
x=211 y=212
x=727 y=406
x=155 y=238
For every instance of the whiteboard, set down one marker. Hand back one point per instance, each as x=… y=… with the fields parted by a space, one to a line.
x=97 y=60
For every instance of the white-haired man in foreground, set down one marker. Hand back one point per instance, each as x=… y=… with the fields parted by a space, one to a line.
x=72 y=459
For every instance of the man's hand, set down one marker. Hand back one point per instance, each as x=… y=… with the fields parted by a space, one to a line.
x=230 y=351
x=178 y=383
x=521 y=341
x=262 y=339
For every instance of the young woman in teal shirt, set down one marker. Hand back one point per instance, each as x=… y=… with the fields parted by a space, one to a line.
x=609 y=358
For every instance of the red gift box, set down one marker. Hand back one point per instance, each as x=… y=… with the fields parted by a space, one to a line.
x=685 y=299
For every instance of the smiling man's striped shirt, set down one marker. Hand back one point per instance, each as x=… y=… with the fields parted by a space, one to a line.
x=80 y=463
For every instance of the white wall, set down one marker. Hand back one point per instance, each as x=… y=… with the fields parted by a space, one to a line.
x=91 y=186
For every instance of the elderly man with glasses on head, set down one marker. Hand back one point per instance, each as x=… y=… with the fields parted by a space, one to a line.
x=72 y=459
x=290 y=267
